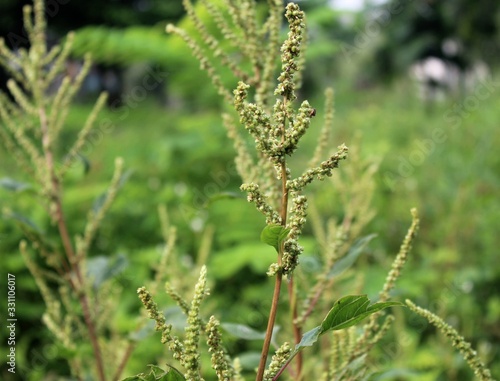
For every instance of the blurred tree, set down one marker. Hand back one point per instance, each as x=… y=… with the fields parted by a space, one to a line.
x=328 y=30
x=66 y=15
x=461 y=32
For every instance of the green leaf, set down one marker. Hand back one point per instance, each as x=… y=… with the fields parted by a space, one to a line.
x=249 y=360
x=85 y=163
x=171 y=374
x=309 y=338
x=25 y=222
x=158 y=374
x=101 y=268
x=13 y=185
x=244 y=332
x=350 y=310
x=346 y=312
x=348 y=260
x=143 y=332
x=222 y=196
x=134 y=378
x=274 y=235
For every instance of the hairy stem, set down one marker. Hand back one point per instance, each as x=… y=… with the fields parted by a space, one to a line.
x=279 y=278
x=58 y=215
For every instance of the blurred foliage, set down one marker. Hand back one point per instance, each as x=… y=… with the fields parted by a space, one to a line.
x=455 y=186
x=454 y=183
x=66 y=15
x=461 y=32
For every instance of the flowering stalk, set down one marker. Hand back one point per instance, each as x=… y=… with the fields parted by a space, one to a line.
x=277 y=136
x=276 y=130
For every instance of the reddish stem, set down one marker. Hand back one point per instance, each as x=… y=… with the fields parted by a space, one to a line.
x=279 y=278
x=78 y=288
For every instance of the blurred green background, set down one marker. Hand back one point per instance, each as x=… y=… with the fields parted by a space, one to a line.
x=417 y=79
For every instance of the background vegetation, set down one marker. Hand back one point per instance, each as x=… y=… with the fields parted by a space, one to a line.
x=440 y=157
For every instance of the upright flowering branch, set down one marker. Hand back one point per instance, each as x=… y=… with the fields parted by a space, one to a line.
x=276 y=130
x=276 y=136
x=469 y=354
x=30 y=129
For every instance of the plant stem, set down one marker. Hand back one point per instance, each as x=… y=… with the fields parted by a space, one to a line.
x=297 y=332
x=55 y=199
x=279 y=279
x=270 y=326
x=313 y=302
x=121 y=366
x=292 y=356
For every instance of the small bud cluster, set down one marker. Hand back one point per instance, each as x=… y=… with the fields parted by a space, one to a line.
x=191 y=359
x=298 y=127
x=255 y=196
x=372 y=330
x=258 y=124
x=278 y=360
x=401 y=258
x=177 y=298
x=291 y=253
x=324 y=138
x=277 y=135
x=469 y=354
x=292 y=249
x=271 y=138
x=186 y=352
x=174 y=344
x=325 y=169
x=219 y=358
x=290 y=51
x=273 y=269
x=299 y=214
x=152 y=308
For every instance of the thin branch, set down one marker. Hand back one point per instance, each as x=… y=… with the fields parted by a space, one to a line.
x=126 y=356
x=279 y=275
x=58 y=214
x=297 y=331
x=270 y=326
